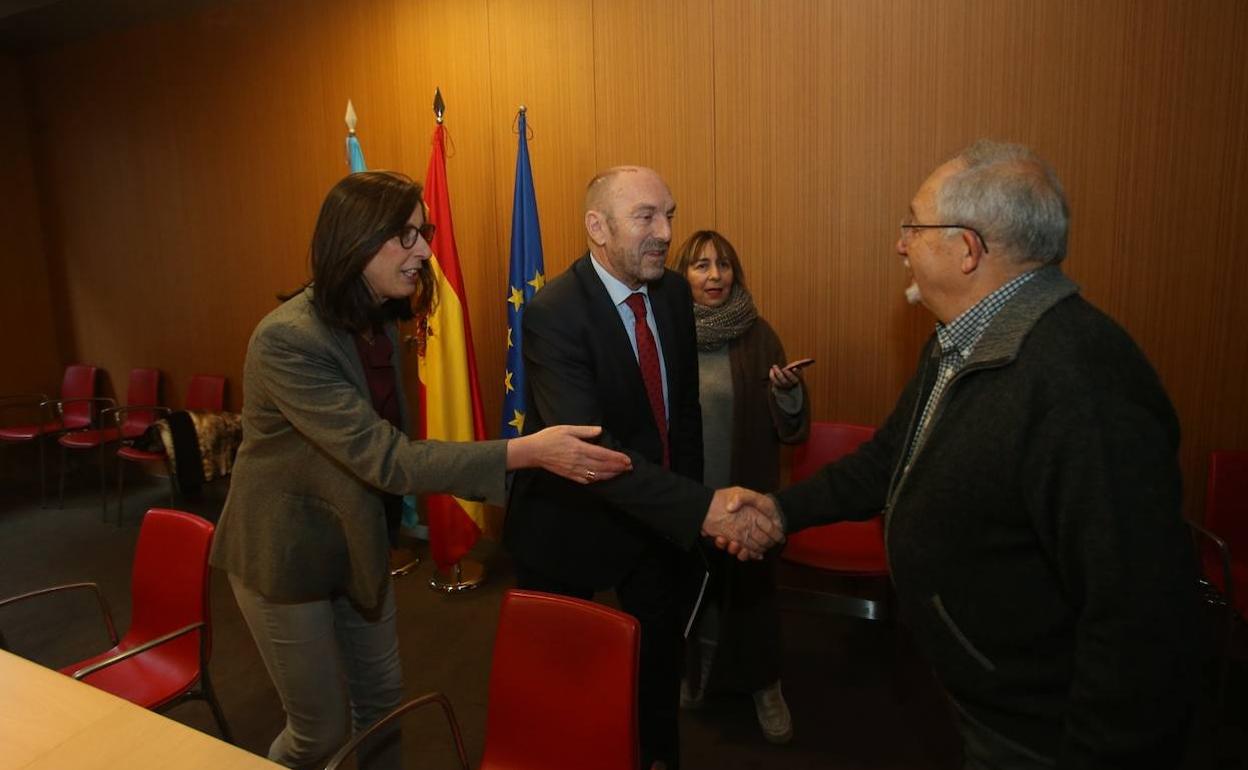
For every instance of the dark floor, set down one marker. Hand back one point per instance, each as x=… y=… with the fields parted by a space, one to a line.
x=859 y=699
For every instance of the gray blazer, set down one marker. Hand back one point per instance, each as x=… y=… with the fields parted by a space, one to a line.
x=304 y=518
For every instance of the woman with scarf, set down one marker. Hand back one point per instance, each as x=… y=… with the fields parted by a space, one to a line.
x=751 y=404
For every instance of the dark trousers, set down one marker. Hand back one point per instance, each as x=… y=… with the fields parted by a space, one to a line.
x=659 y=592
x=741 y=600
x=985 y=749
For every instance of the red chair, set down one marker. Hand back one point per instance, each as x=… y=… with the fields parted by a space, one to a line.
x=72 y=411
x=127 y=422
x=206 y=393
x=163 y=658
x=563 y=688
x=851 y=548
x=1224 y=546
x=1226 y=515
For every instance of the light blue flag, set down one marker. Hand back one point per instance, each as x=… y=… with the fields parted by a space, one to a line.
x=526 y=278
x=355 y=153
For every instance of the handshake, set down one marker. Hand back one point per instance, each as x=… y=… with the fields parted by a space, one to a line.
x=743 y=522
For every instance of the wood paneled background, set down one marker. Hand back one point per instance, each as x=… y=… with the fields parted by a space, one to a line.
x=33 y=356
x=178 y=167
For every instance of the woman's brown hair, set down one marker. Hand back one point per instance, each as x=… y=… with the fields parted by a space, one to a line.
x=361 y=213
x=691 y=249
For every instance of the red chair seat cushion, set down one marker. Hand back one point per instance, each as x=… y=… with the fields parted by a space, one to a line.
x=149 y=679
x=133 y=428
x=850 y=547
x=28 y=432
x=140 y=455
x=86 y=439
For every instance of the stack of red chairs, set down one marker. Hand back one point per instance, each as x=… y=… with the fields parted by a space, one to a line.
x=74 y=410
x=116 y=423
x=205 y=393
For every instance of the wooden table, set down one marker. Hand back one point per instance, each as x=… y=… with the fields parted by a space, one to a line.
x=48 y=721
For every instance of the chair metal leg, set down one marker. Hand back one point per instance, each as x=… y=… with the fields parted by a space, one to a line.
x=60 y=499
x=210 y=695
x=121 y=491
x=43 y=493
x=103 y=485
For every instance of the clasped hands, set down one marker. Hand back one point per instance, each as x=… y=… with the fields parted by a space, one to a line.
x=743 y=522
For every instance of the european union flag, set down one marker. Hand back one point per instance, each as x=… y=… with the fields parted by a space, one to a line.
x=526 y=279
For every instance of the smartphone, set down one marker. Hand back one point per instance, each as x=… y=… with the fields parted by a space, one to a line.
x=800 y=363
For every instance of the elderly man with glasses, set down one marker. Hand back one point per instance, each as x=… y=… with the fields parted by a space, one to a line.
x=1030 y=487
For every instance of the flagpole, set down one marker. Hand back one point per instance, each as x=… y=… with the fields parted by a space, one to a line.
x=467 y=573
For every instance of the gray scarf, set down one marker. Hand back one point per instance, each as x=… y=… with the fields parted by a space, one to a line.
x=717 y=325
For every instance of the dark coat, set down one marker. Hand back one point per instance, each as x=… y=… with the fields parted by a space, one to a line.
x=581 y=370
x=759 y=426
x=1035 y=541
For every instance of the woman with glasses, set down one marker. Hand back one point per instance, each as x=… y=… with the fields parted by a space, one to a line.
x=325 y=459
x=751 y=403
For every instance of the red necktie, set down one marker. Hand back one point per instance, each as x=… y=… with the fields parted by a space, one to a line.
x=648 y=360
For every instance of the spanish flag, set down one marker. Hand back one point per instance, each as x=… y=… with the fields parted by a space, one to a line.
x=450 y=398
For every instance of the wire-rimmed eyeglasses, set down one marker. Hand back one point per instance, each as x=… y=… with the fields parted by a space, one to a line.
x=906 y=225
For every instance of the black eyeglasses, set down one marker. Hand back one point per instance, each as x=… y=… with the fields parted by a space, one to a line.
x=911 y=226
x=407 y=236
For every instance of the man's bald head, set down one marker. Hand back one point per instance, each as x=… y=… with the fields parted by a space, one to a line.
x=603 y=190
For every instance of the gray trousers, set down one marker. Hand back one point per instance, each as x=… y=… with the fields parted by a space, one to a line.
x=324 y=656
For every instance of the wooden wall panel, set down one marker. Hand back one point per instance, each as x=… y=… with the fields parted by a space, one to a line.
x=541 y=55
x=33 y=359
x=194 y=163
x=654 y=100
x=455 y=59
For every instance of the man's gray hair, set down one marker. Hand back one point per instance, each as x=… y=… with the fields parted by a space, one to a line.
x=1011 y=197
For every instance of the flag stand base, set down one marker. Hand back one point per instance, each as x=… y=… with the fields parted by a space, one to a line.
x=466 y=575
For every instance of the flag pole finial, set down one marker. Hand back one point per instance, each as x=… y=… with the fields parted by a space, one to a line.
x=523 y=109
x=350 y=117
x=439 y=106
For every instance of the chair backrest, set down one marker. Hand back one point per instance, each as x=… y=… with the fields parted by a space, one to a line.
x=169 y=583
x=144 y=390
x=206 y=393
x=849 y=547
x=1226 y=499
x=79 y=382
x=828 y=442
x=563 y=686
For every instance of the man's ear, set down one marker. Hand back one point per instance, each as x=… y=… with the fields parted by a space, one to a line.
x=973 y=252
x=596 y=227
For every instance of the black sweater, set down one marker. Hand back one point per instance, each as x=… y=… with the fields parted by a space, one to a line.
x=1035 y=541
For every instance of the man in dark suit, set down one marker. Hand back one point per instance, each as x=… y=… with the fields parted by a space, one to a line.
x=611 y=342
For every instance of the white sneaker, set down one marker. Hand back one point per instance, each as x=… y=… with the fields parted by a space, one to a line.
x=773 y=714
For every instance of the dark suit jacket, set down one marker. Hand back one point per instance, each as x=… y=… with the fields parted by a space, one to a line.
x=581 y=369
